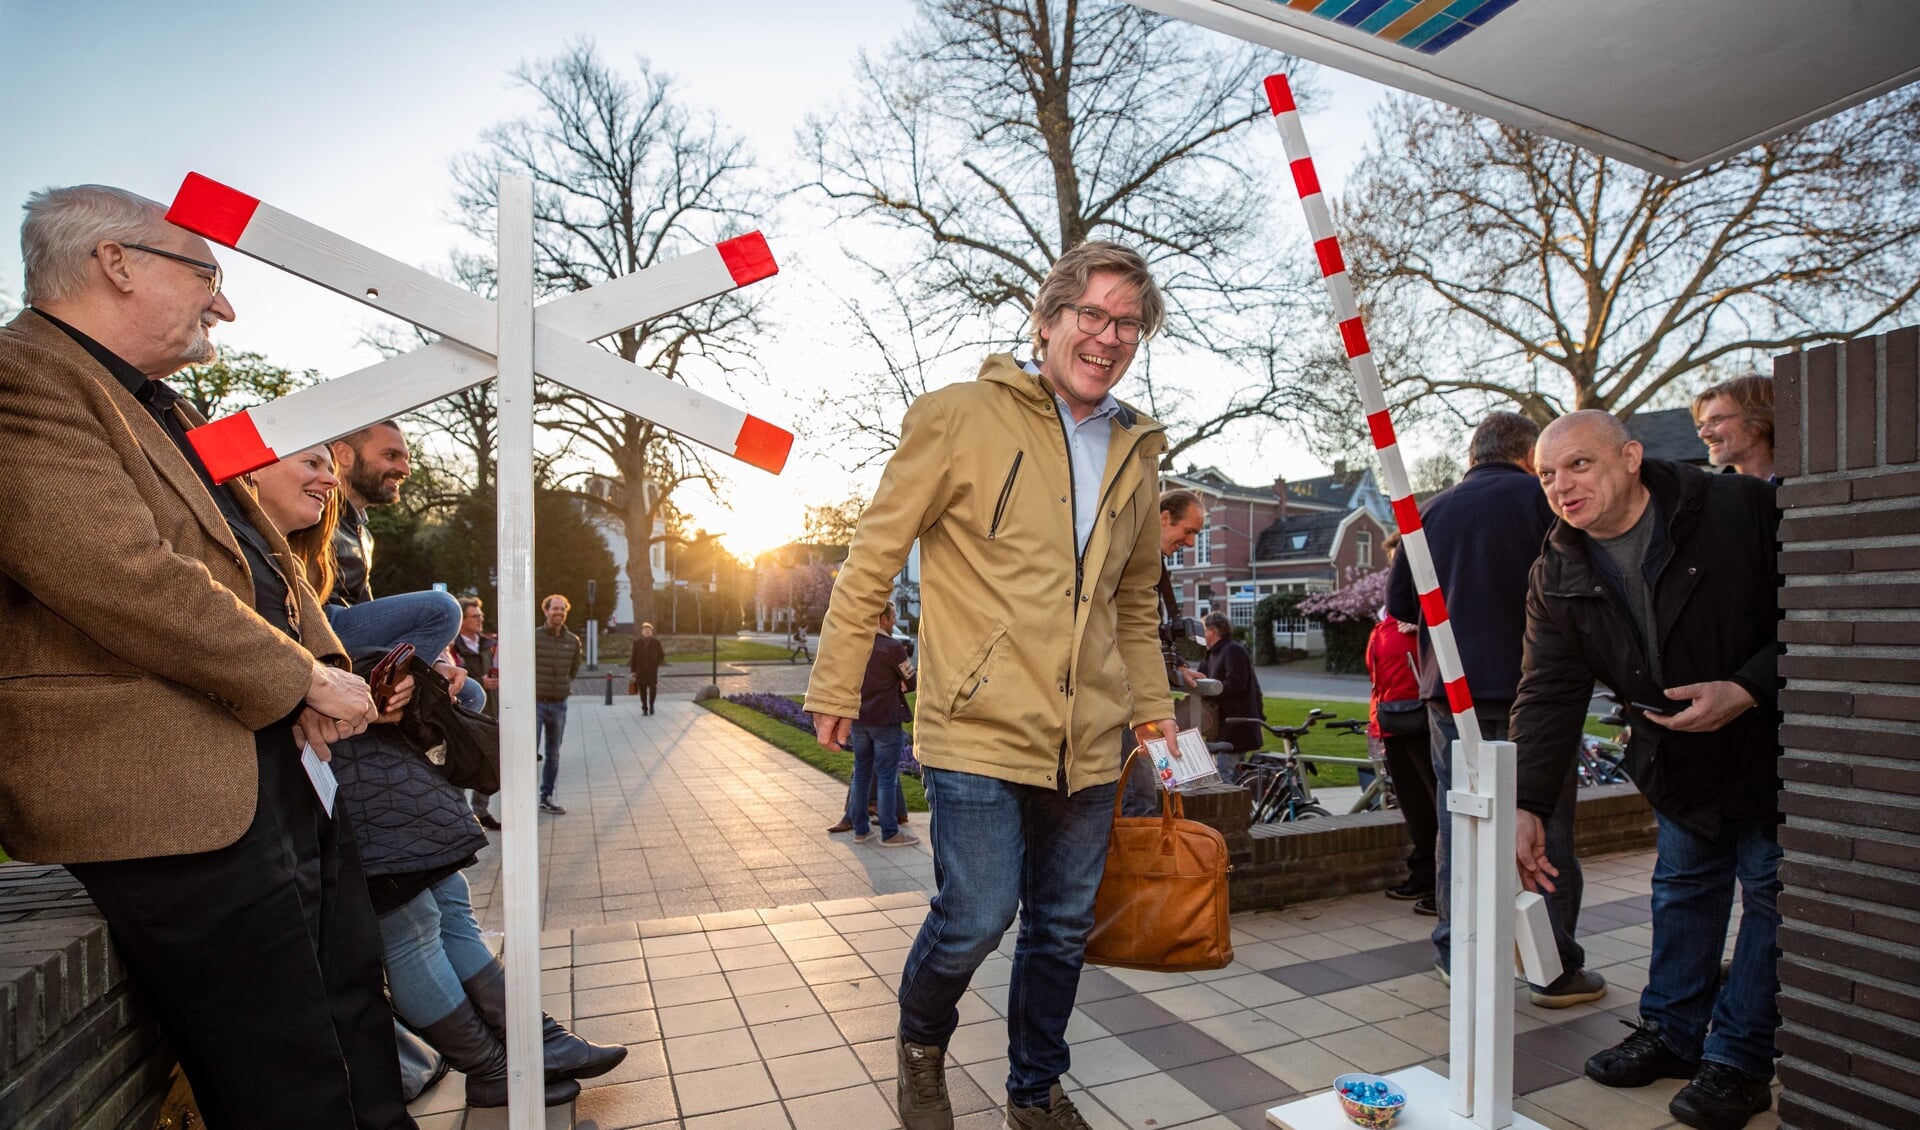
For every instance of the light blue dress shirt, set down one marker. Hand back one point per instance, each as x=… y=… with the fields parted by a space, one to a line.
x=1087 y=448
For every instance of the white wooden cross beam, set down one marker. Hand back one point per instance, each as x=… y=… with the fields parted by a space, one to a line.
x=513 y=339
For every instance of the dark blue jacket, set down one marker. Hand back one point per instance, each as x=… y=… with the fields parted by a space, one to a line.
x=1484 y=533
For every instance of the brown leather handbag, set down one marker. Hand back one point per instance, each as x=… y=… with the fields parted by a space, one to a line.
x=1162 y=905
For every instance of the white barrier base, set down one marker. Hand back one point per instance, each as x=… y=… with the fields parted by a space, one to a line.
x=1428 y=1098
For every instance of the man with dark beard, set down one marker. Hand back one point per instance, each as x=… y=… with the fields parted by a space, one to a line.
x=371 y=464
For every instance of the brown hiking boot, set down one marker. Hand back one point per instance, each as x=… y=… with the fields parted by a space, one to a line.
x=920 y=1092
x=1058 y=1114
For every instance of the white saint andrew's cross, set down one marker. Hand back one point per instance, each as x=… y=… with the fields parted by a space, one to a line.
x=511 y=339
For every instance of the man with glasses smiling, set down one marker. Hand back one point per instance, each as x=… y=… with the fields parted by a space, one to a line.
x=159 y=675
x=1735 y=421
x=1034 y=496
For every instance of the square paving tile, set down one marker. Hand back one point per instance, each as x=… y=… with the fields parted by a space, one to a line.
x=1233 y=1082
x=782 y=1004
x=625 y=1104
x=693 y=1019
x=792 y=1037
x=1194 y=1002
x=1531 y=1073
x=873 y=1023
x=1308 y=1017
x=1246 y=1031
x=691 y=990
x=1151 y=1101
x=767 y=1116
x=1305 y=1066
x=1312 y=978
x=863 y=993
x=856 y=1108
x=1366 y=968
x=1127 y=1014
x=1175 y=1045
x=1107 y=1060
x=610 y=973
x=708 y=1050
x=765 y=979
x=810 y=1073
x=613 y=998
x=723 y=1088
x=1371 y=1049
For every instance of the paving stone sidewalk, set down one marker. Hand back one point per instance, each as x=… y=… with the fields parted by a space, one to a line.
x=743 y=1008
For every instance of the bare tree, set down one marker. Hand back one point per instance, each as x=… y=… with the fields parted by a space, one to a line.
x=625 y=176
x=833 y=523
x=1515 y=268
x=236 y=380
x=999 y=133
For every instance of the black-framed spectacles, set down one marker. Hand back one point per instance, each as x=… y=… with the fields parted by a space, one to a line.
x=1093 y=320
x=213 y=284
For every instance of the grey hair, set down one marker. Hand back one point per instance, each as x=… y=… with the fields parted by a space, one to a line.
x=1503 y=437
x=63 y=226
x=1218 y=622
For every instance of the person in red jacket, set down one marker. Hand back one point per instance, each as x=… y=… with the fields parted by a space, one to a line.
x=1398 y=719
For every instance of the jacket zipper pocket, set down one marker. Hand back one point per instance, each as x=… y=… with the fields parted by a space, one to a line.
x=1006 y=493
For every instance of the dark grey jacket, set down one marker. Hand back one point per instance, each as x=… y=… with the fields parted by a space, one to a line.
x=406 y=817
x=1713 y=575
x=556 y=660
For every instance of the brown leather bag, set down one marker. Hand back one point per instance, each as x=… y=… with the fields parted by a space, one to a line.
x=1162 y=905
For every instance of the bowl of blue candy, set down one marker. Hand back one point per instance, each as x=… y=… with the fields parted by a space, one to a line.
x=1369 y=1100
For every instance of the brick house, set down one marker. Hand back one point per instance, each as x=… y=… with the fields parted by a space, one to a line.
x=1289 y=537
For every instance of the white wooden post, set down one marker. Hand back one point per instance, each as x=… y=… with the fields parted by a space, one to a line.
x=520 y=838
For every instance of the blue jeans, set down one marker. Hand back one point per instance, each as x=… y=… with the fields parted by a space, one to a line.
x=1693 y=880
x=549 y=722
x=1563 y=905
x=433 y=944
x=428 y=620
x=472 y=695
x=999 y=847
x=876 y=761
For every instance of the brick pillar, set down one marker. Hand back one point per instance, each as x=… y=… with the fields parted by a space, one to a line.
x=1847 y=444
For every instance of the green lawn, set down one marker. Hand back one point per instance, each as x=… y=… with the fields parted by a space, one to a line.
x=615 y=650
x=802 y=746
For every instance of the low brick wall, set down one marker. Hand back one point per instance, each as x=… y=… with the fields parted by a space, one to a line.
x=77 y=1051
x=1276 y=865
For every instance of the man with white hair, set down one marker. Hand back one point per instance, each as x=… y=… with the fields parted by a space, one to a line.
x=162 y=662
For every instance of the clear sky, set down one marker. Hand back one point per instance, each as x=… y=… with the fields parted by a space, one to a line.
x=348 y=114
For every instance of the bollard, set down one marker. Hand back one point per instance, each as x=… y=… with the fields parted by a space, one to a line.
x=609 y=698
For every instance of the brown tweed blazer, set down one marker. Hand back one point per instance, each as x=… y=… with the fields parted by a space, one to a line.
x=133 y=669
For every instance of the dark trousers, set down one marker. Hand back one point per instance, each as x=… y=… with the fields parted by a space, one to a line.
x=261 y=961
x=649 y=688
x=1411 y=766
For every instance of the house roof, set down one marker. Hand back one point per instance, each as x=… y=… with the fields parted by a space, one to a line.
x=1210 y=480
x=1299 y=536
x=1669 y=434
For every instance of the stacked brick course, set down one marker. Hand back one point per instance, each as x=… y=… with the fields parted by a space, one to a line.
x=1847 y=444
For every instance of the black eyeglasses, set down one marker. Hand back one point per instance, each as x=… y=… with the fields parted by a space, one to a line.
x=213 y=284
x=1093 y=320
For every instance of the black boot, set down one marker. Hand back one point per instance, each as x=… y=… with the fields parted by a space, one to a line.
x=1638 y=1060
x=472 y=1048
x=566 y=1055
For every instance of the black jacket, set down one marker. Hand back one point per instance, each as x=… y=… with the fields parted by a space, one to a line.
x=1484 y=533
x=407 y=819
x=1229 y=662
x=353 y=559
x=647 y=657
x=1712 y=571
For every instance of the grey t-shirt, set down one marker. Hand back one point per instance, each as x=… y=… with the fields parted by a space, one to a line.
x=1627 y=552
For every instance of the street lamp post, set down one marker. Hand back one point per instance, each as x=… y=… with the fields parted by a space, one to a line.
x=712 y=689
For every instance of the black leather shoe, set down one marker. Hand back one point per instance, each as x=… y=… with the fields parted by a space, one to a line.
x=1720 y=1098
x=1638 y=1060
x=487 y=821
x=1407 y=892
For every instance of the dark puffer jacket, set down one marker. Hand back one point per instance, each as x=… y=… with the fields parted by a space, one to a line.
x=1712 y=569
x=407 y=818
x=556 y=660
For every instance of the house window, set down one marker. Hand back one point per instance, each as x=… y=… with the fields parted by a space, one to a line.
x=1203 y=547
x=1299 y=541
x=1363 y=549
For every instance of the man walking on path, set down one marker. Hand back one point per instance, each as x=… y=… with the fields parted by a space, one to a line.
x=162 y=664
x=1038 y=649
x=649 y=655
x=556 y=660
x=1660 y=581
x=878 y=738
x=1484 y=533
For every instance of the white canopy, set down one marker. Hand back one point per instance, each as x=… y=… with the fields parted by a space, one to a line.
x=1668 y=85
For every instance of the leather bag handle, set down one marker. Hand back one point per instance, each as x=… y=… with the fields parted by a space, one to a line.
x=1171 y=808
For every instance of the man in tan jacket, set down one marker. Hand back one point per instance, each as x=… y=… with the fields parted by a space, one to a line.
x=162 y=662
x=1033 y=494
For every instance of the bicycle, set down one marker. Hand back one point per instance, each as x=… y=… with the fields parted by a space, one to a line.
x=1598 y=761
x=1280 y=791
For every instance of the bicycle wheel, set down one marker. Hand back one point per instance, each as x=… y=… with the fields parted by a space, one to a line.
x=1309 y=810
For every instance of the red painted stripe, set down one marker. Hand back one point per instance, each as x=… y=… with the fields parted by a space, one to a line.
x=1330 y=261
x=1279 y=94
x=1458 y=696
x=1433 y=608
x=748 y=258
x=1382 y=428
x=1406 y=514
x=1355 y=336
x=763 y=445
x=208 y=208
x=1305 y=180
x=231 y=446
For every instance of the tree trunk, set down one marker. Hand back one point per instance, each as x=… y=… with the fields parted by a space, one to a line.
x=639 y=528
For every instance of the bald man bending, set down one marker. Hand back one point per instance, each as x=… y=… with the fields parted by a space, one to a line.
x=1658 y=579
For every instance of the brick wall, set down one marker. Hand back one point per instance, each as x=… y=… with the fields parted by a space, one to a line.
x=77 y=1051
x=1847 y=444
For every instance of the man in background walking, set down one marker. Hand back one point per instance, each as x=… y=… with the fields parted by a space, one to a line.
x=556 y=660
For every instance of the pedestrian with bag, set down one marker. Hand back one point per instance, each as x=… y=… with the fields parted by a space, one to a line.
x=643 y=667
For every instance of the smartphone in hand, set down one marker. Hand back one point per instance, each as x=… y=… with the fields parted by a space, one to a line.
x=1657 y=709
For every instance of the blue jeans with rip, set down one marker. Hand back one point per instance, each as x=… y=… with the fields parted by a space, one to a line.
x=1001 y=848
x=876 y=763
x=432 y=945
x=428 y=620
x=1693 y=883
x=1563 y=904
x=550 y=722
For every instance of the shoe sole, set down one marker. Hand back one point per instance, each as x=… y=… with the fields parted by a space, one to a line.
x=1706 y=1123
x=1566 y=1000
x=898 y=843
x=596 y=1072
x=1628 y=1084
x=1415 y=897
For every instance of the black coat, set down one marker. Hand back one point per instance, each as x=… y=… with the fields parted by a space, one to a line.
x=1712 y=568
x=406 y=817
x=1240 y=697
x=647 y=657
x=1484 y=533
x=352 y=559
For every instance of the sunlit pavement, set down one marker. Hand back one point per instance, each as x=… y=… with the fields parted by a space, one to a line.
x=697 y=912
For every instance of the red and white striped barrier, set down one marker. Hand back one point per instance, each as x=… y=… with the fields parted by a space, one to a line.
x=563 y=331
x=1488 y=915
